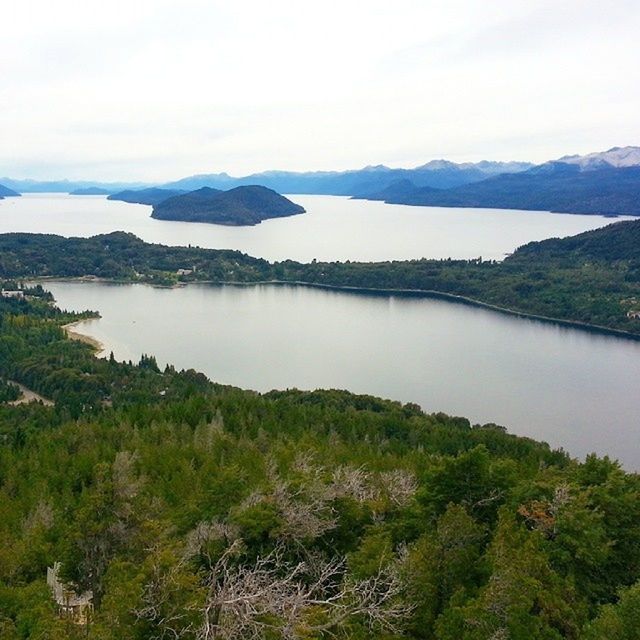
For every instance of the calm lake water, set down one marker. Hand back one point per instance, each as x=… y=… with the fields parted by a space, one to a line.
x=572 y=388
x=334 y=228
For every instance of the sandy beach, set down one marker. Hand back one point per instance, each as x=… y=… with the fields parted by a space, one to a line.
x=97 y=346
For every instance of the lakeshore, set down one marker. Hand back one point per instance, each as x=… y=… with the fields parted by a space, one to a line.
x=70 y=330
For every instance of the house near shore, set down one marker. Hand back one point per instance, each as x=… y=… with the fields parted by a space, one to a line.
x=72 y=606
x=18 y=293
x=633 y=314
x=186 y=272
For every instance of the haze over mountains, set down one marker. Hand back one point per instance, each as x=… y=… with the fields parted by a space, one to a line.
x=437 y=173
x=598 y=183
x=605 y=183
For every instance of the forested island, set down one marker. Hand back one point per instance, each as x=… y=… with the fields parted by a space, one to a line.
x=592 y=278
x=246 y=205
x=180 y=508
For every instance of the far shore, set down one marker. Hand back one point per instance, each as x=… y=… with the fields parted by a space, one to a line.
x=415 y=293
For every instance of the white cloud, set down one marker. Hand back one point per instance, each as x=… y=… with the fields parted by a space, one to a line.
x=159 y=89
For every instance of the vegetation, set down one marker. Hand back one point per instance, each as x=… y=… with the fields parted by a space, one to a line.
x=246 y=205
x=9 y=391
x=196 y=511
x=592 y=278
x=151 y=196
x=554 y=186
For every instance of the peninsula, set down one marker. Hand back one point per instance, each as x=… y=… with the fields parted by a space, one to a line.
x=589 y=279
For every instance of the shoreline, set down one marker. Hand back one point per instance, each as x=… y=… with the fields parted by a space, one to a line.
x=95 y=344
x=438 y=295
x=409 y=293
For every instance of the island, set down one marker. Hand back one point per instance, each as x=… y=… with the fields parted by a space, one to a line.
x=90 y=191
x=150 y=196
x=590 y=280
x=242 y=206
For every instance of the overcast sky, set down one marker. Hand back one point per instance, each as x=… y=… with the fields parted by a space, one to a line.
x=160 y=89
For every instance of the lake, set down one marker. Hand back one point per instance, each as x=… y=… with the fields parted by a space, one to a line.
x=334 y=228
x=575 y=389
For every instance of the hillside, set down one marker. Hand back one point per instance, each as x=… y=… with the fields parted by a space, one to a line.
x=6 y=192
x=240 y=206
x=90 y=191
x=591 y=279
x=437 y=173
x=589 y=185
x=150 y=196
x=290 y=514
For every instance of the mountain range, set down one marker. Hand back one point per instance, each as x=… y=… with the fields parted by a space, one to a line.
x=605 y=182
x=437 y=173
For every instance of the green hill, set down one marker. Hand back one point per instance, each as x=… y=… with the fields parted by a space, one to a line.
x=247 y=205
x=187 y=509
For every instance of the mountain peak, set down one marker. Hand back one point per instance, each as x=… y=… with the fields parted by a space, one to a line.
x=617 y=157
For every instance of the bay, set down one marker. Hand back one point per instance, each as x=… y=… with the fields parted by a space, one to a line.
x=572 y=388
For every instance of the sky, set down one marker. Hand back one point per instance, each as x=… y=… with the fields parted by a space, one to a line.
x=160 y=89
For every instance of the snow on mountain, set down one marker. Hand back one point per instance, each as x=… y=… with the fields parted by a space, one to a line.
x=616 y=157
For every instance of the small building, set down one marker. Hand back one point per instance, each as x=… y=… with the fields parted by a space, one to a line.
x=77 y=608
x=12 y=294
x=633 y=314
x=184 y=272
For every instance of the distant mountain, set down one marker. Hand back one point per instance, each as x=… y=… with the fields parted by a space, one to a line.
x=618 y=157
x=6 y=192
x=554 y=186
x=615 y=242
x=245 y=205
x=67 y=186
x=151 y=196
x=437 y=173
x=398 y=190
x=90 y=191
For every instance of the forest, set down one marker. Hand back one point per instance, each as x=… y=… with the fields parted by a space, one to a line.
x=592 y=278
x=197 y=511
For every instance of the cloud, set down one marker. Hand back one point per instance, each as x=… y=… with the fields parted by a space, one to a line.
x=157 y=89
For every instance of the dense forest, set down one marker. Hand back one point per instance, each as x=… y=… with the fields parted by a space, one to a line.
x=592 y=278
x=197 y=511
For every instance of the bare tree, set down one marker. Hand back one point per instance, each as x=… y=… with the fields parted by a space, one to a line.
x=400 y=485
x=247 y=600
